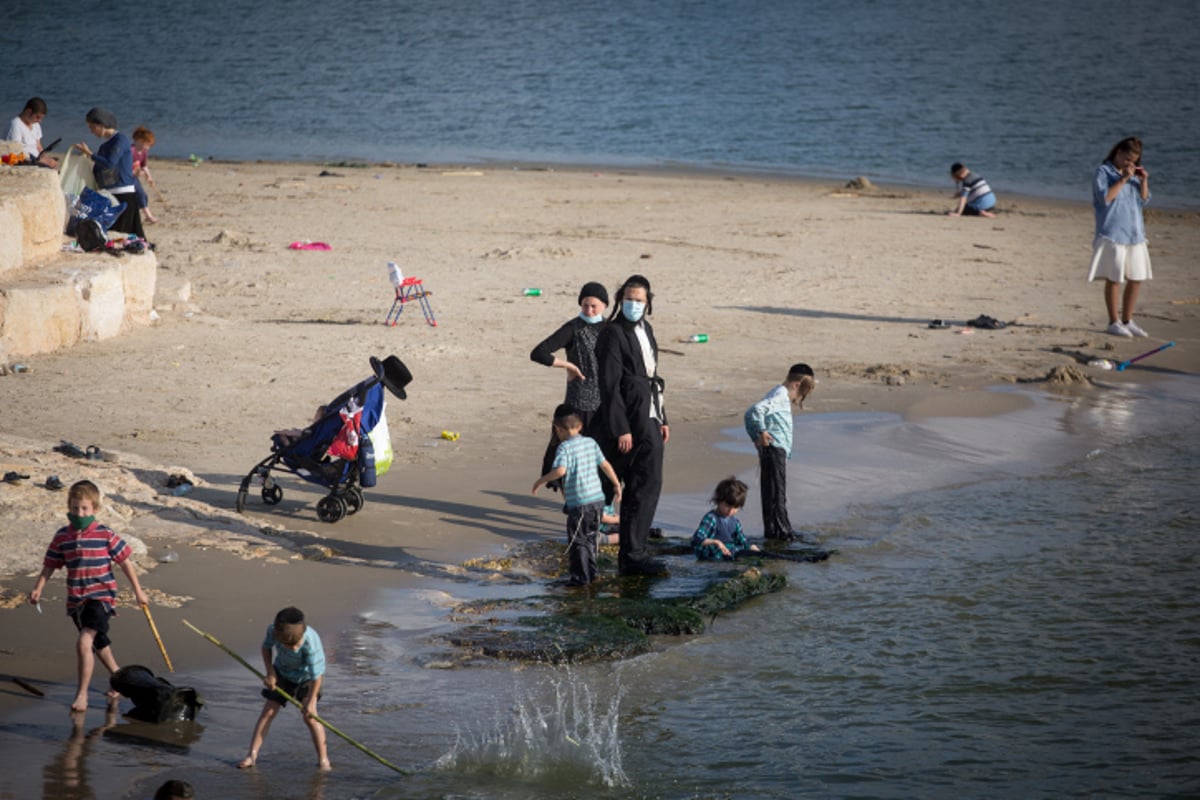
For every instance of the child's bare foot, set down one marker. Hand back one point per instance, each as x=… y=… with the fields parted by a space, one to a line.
x=79 y=703
x=324 y=765
x=248 y=761
x=151 y=218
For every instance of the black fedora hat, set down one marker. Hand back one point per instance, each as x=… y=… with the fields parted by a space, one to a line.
x=392 y=374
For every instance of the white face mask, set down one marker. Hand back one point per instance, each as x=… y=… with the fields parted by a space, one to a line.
x=633 y=309
x=591 y=320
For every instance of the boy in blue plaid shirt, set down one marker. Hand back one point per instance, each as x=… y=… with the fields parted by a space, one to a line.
x=578 y=464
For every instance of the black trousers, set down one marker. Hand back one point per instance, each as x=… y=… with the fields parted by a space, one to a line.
x=639 y=500
x=583 y=522
x=772 y=464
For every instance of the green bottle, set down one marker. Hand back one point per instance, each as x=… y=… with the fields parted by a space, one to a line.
x=698 y=338
x=532 y=292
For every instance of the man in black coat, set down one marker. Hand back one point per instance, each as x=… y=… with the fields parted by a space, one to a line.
x=631 y=425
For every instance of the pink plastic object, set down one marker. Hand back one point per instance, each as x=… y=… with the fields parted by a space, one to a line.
x=307 y=245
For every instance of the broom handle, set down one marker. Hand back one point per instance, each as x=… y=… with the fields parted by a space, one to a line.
x=161 y=648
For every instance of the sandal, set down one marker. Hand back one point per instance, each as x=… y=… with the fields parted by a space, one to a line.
x=15 y=477
x=94 y=453
x=70 y=449
x=940 y=324
x=54 y=484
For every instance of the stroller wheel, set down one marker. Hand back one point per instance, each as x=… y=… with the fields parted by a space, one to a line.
x=272 y=494
x=331 y=508
x=354 y=500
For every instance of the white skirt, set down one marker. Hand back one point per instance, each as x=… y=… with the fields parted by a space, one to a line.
x=1119 y=262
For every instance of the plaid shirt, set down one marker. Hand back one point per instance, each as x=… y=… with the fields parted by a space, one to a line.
x=723 y=529
x=88 y=556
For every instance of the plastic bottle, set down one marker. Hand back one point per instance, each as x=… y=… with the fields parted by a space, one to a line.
x=532 y=292
x=698 y=338
x=366 y=463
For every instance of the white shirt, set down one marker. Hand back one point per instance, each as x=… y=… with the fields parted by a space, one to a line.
x=29 y=137
x=650 y=362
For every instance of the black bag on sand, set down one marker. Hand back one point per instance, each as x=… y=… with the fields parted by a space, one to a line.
x=90 y=235
x=155 y=699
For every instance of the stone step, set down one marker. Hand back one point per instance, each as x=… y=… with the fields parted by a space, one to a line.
x=50 y=299
x=74 y=298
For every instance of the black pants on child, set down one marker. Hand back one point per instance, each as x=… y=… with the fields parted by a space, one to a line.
x=583 y=523
x=772 y=463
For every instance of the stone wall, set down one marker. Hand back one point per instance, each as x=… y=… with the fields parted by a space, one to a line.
x=49 y=298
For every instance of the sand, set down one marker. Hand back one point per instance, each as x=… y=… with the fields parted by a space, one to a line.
x=252 y=336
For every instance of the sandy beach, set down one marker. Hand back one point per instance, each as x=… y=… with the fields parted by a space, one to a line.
x=252 y=336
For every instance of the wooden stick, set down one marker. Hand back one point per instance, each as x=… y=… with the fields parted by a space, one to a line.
x=157 y=638
x=296 y=702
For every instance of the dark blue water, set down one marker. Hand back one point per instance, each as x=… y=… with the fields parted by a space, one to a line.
x=1031 y=94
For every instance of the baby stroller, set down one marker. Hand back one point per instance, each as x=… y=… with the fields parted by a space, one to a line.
x=344 y=449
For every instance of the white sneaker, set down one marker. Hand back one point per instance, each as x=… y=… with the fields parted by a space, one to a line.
x=1118 y=329
x=1135 y=329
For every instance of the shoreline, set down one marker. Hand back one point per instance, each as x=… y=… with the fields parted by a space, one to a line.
x=681 y=169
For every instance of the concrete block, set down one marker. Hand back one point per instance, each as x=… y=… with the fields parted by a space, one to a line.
x=37 y=195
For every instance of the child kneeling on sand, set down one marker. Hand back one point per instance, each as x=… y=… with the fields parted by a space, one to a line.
x=298 y=668
x=88 y=550
x=975 y=197
x=719 y=536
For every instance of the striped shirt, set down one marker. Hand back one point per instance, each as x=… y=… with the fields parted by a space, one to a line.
x=305 y=664
x=582 y=458
x=88 y=556
x=976 y=190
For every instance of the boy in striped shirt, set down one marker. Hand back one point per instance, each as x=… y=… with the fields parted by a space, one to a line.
x=88 y=550
x=578 y=463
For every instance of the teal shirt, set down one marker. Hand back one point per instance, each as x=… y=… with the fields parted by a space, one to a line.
x=772 y=414
x=297 y=666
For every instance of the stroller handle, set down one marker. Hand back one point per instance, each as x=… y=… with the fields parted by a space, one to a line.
x=392 y=373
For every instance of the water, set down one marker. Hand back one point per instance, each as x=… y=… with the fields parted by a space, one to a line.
x=1013 y=614
x=1031 y=94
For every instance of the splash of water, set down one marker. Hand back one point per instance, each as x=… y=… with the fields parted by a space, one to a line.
x=563 y=732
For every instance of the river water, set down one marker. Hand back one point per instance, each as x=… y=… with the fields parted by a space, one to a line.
x=1011 y=613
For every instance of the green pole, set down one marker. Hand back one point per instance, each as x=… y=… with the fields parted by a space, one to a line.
x=296 y=702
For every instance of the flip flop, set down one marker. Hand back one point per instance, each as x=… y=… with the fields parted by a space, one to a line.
x=70 y=449
x=54 y=484
x=15 y=477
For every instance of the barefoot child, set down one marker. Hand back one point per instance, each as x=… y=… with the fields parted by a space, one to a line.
x=769 y=424
x=578 y=463
x=143 y=140
x=298 y=667
x=88 y=550
x=719 y=536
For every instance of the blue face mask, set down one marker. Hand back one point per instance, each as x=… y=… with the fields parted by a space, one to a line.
x=591 y=320
x=633 y=309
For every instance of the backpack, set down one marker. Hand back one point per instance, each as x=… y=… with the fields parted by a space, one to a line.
x=90 y=235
